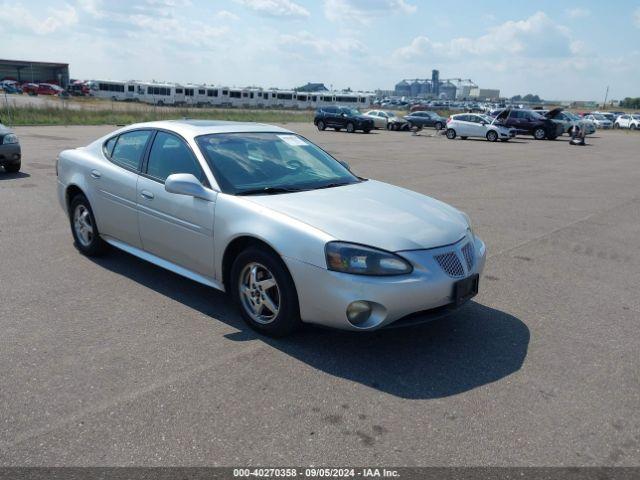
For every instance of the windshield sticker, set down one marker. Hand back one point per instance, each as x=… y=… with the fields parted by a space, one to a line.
x=293 y=140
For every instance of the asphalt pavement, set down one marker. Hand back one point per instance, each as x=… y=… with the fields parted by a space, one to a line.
x=113 y=361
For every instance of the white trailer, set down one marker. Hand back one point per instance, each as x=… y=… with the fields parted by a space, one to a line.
x=112 y=90
x=156 y=93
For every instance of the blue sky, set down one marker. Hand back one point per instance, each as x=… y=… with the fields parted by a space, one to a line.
x=559 y=50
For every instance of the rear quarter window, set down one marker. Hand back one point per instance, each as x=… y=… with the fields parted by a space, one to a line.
x=129 y=148
x=107 y=148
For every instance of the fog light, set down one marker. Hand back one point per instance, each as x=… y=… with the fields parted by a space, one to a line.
x=358 y=312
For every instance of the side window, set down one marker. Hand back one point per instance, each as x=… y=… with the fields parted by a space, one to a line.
x=107 y=148
x=129 y=148
x=169 y=154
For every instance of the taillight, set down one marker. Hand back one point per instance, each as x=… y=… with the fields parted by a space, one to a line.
x=449 y=119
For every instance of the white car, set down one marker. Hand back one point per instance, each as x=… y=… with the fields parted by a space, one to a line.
x=599 y=120
x=264 y=214
x=379 y=118
x=466 y=125
x=627 y=121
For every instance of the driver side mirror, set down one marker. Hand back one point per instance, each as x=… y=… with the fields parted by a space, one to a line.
x=187 y=184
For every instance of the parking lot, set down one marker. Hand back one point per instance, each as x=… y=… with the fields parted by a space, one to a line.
x=117 y=362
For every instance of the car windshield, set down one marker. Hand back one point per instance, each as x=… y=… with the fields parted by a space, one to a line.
x=254 y=163
x=390 y=114
x=572 y=116
x=598 y=116
x=350 y=111
x=485 y=118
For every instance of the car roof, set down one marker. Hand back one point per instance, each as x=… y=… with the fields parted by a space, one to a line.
x=194 y=128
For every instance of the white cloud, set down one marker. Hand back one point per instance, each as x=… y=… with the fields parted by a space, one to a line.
x=636 y=17
x=276 y=8
x=364 y=11
x=227 y=15
x=304 y=45
x=536 y=37
x=20 y=17
x=92 y=7
x=577 y=12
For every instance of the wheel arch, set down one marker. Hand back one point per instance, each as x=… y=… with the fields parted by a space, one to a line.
x=238 y=245
x=70 y=193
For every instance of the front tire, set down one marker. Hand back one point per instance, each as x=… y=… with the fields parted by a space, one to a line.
x=84 y=228
x=492 y=136
x=616 y=126
x=451 y=133
x=321 y=126
x=264 y=291
x=539 y=133
x=13 y=168
x=351 y=127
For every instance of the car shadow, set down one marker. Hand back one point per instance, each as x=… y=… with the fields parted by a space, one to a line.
x=471 y=347
x=511 y=141
x=4 y=175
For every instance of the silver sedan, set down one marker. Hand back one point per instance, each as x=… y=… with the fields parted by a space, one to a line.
x=262 y=213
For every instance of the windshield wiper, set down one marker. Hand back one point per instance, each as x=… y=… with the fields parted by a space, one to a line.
x=331 y=185
x=268 y=191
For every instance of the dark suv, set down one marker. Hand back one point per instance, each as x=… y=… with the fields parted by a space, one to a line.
x=530 y=122
x=426 y=119
x=342 y=117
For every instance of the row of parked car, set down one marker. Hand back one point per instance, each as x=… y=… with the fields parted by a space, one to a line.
x=13 y=87
x=497 y=125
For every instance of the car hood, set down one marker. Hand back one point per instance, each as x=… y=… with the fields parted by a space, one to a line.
x=373 y=213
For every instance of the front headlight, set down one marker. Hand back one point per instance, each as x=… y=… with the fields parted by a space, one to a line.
x=360 y=260
x=10 y=138
x=469 y=224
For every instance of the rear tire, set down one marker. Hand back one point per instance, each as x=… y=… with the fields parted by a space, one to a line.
x=13 y=168
x=439 y=126
x=492 y=136
x=84 y=228
x=351 y=127
x=451 y=133
x=321 y=126
x=539 y=133
x=269 y=288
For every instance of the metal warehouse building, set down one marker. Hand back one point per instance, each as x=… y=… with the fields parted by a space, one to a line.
x=37 y=72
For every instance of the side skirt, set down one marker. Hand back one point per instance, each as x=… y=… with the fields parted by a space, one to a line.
x=160 y=262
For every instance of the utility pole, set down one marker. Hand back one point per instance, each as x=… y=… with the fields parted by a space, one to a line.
x=604 y=106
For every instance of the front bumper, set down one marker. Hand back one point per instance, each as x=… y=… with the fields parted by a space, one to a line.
x=10 y=154
x=324 y=295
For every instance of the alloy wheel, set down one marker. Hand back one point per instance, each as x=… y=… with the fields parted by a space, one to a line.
x=82 y=225
x=259 y=293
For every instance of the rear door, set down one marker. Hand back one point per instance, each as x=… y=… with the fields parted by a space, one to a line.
x=177 y=228
x=115 y=181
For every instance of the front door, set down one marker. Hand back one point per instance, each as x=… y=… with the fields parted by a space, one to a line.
x=177 y=228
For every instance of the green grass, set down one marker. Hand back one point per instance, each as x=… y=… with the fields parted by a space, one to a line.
x=64 y=116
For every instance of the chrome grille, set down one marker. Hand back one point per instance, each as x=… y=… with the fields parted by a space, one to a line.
x=467 y=251
x=450 y=263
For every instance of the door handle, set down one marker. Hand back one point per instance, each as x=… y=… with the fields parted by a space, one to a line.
x=146 y=194
x=95 y=174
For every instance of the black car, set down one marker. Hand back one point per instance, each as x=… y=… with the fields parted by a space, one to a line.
x=426 y=119
x=342 y=117
x=530 y=122
x=10 y=152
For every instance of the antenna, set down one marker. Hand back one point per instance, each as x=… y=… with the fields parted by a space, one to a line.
x=604 y=106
